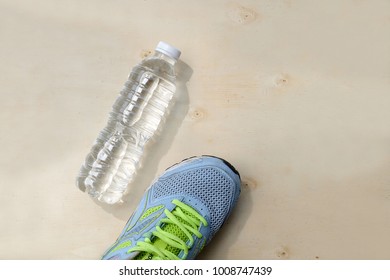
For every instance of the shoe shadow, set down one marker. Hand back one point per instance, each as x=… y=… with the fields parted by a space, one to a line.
x=219 y=246
x=156 y=150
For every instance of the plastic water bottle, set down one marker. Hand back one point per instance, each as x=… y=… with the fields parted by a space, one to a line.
x=136 y=117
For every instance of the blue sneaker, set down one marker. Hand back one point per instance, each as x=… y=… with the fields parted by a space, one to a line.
x=180 y=212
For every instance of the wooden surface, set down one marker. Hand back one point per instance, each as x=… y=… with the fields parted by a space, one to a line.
x=295 y=94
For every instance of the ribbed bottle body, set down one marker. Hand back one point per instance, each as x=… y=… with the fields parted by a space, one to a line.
x=137 y=116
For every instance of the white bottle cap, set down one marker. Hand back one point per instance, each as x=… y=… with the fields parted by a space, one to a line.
x=168 y=50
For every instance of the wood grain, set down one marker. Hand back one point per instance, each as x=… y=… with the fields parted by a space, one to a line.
x=295 y=94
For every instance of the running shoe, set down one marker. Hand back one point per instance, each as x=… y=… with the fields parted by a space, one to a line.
x=180 y=212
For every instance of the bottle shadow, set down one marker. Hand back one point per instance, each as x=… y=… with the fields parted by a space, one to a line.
x=156 y=149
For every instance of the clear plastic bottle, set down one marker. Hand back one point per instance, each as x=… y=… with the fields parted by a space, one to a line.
x=136 y=117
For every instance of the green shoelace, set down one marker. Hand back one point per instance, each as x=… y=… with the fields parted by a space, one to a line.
x=165 y=242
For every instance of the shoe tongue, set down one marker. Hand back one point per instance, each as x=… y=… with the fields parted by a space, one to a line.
x=175 y=230
x=144 y=256
x=162 y=245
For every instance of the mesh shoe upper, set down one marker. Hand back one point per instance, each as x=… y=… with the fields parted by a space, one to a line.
x=206 y=184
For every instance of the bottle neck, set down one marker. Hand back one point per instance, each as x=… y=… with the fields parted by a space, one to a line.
x=165 y=57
